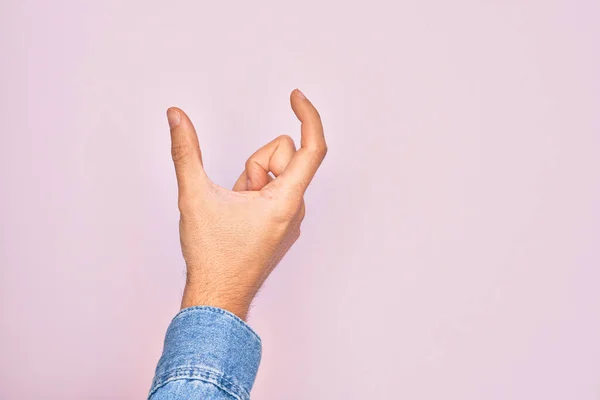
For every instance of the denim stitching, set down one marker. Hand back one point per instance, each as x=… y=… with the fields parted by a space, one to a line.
x=222 y=312
x=202 y=374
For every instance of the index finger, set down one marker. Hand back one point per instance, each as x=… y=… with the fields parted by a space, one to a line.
x=300 y=171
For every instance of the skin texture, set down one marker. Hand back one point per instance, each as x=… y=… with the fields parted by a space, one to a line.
x=232 y=239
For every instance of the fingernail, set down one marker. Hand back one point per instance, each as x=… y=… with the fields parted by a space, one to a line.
x=300 y=94
x=173 y=117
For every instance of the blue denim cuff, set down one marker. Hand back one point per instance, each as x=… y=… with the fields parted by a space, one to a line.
x=212 y=345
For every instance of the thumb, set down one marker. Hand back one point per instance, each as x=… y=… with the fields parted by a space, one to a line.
x=186 y=153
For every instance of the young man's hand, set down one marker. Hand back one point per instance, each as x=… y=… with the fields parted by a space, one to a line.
x=232 y=240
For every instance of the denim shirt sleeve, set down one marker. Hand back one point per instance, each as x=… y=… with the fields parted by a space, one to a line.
x=209 y=353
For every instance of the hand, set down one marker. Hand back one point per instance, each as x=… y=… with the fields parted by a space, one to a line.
x=232 y=240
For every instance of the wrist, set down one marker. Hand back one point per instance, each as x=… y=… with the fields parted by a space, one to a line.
x=235 y=303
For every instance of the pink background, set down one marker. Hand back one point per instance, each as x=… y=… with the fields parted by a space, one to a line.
x=450 y=249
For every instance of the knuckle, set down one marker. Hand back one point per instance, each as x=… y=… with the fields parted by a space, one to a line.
x=319 y=151
x=253 y=167
x=179 y=152
x=250 y=163
x=286 y=139
x=302 y=213
x=286 y=212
